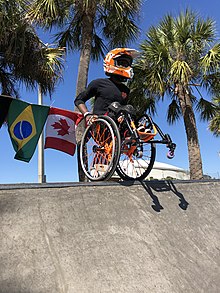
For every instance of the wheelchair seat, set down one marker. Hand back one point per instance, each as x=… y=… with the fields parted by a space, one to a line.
x=116 y=107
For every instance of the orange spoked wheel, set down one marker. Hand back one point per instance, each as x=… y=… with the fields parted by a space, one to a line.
x=100 y=149
x=136 y=162
x=137 y=156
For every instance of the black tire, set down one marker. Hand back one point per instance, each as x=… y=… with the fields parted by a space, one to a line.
x=135 y=168
x=132 y=166
x=100 y=149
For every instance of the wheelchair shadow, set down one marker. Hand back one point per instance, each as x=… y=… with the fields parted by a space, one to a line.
x=162 y=186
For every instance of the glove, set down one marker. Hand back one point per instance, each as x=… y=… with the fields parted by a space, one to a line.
x=90 y=118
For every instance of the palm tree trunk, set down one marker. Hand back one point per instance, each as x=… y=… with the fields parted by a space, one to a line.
x=87 y=29
x=195 y=160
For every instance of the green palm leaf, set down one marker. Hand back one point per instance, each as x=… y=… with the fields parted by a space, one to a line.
x=211 y=61
x=174 y=112
x=214 y=124
x=207 y=109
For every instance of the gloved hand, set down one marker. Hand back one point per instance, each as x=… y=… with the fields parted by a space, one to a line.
x=90 y=118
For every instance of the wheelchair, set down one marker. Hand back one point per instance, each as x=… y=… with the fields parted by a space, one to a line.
x=120 y=143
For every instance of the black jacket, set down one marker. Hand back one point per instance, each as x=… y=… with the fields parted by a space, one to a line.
x=105 y=91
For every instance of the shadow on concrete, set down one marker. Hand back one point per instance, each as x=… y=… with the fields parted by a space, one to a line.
x=163 y=186
x=156 y=203
x=183 y=203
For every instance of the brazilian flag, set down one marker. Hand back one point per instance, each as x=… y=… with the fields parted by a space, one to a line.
x=25 y=124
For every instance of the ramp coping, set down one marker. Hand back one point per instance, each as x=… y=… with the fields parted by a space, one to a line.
x=100 y=183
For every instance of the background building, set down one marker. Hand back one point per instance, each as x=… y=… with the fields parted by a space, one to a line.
x=167 y=171
x=161 y=171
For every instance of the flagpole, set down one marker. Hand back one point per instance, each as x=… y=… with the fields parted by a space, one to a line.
x=41 y=175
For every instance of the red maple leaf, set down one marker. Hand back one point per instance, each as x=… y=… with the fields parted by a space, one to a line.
x=63 y=127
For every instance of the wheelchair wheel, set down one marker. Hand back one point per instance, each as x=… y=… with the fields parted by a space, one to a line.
x=134 y=163
x=100 y=149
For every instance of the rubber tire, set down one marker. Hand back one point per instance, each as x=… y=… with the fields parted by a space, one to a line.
x=125 y=176
x=110 y=123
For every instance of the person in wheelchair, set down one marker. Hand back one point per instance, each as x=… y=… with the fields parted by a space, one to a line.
x=111 y=94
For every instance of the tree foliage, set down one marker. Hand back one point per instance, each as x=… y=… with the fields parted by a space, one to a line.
x=23 y=56
x=113 y=22
x=214 y=124
x=180 y=50
x=180 y=59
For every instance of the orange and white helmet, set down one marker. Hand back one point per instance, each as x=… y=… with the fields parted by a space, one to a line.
x=118 y=61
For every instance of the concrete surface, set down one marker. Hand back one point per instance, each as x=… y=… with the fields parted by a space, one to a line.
x=89 y=238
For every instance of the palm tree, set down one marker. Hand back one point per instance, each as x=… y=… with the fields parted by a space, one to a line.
x=179 y=56
x=24 y=58
x=86 y=24
x=90 y=26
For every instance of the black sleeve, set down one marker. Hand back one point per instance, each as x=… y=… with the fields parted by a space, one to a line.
x=87 y=94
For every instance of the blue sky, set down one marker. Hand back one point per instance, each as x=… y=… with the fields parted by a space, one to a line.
x=60 y=167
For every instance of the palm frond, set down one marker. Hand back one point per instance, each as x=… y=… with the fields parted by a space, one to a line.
x=51 y=61
x=98 y=48
x=183 y=25
x=211 y=61
x=181 y=72
x=174 y=112
x=211 y=83
x=214 y=123
x=207 y=109
x=47 y=12
x=119 y=31
x=70 y=37
x=204 y=30
x=8 y=83
x=122 y=5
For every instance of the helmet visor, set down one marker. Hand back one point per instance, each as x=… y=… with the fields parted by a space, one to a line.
x=123 y=61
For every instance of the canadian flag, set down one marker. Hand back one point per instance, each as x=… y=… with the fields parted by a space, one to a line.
x=61 y=129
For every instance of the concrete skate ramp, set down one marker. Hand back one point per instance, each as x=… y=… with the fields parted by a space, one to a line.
x=110 y=237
